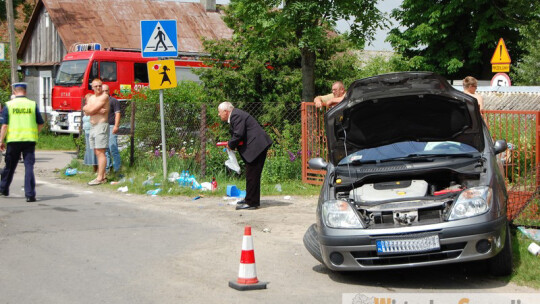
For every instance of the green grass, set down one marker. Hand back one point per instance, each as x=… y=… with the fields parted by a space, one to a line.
x=49 y=141
x=526 y=265
x=134 y=178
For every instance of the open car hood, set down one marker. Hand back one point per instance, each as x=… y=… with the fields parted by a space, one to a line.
x=406 y=106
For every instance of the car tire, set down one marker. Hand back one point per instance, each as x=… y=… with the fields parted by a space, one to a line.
x=502 y=263
x=312 y=243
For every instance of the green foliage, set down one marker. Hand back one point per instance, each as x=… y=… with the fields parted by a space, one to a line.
x=527 y=70
x=182 y=110
x=284 y=161
x=457 y=38
x=302 y=27
x=3 y=12
x=519 y=132
x=4 y=96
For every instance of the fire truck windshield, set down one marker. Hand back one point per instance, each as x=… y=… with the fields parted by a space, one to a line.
x=71 y=73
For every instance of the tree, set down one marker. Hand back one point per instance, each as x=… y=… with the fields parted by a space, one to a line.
x=305 y=24
x=3 y=15
x=527 y=70
x=457 y=38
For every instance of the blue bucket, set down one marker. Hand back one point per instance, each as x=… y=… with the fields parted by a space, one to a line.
x=233 y=191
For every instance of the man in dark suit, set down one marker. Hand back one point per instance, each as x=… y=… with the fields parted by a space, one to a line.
x=252 y=143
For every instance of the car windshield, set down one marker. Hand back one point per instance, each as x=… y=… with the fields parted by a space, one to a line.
x=409 y=149
x=71 y=73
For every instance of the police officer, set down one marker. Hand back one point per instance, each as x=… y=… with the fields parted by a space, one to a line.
x=22 y=122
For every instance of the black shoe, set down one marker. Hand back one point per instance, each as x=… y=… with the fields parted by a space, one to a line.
x=241 y=202
x=246 y=207
x=30 y=199
x=4 y=193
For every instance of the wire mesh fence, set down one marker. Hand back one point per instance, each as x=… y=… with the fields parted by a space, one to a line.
x=192 y=128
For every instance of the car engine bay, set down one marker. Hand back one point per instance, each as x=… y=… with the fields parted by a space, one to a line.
x=407 y=201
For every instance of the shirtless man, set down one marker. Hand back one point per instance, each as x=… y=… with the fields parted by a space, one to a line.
x=469 y=86
x=337 y=95
x=97 y=107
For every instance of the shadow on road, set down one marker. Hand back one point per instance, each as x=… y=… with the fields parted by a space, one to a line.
x=56 y=197
x=272 y=203
x=454 y=276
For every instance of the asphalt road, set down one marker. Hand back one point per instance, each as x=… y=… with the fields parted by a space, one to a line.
x=81 y=244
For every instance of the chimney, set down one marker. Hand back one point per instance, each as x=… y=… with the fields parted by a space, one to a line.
x=209 y=5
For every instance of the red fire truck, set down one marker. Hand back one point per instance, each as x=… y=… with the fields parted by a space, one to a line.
x=122 y=70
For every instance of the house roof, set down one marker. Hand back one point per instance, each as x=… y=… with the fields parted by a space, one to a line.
x=516 y=98
x=116 y=23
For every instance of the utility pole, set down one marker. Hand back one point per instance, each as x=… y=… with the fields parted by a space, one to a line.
x=12 y=43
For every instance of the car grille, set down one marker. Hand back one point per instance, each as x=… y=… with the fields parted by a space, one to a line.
x=370 y=258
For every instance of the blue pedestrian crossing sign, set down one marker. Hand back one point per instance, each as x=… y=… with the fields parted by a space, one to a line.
x=158 y=38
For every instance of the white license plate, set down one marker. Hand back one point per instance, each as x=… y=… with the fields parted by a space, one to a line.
x=408 y=245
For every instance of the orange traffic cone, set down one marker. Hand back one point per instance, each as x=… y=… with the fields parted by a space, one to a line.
x=247 y=274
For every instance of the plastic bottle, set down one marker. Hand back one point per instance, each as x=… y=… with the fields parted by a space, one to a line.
x=153 y=192
x=214 y=184
x=189 y=180
x=181 y=178
x=195 y=184
x=186 y=179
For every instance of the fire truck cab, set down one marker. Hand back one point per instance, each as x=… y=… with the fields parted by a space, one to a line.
x=123 y=71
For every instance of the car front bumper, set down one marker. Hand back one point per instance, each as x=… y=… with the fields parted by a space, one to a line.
x=358 y=250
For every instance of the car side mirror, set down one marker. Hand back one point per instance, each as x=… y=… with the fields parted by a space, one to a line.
x=500 y=146
x=317 y=163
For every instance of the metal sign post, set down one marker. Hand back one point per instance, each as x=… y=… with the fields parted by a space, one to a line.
x=162 y=75
x=159 y=39
x=163 y=143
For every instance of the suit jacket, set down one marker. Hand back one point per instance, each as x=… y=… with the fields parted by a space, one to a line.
x=245 y=128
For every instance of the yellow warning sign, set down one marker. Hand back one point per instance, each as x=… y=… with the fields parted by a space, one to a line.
x=497 y=68
x=161 y=74
x=501 y=56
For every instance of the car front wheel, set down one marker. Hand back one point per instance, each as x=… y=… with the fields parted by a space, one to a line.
x=502 y=263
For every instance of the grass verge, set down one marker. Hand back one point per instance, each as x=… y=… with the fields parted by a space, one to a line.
x=526 y=266
x=136 y=181
x=49 y=141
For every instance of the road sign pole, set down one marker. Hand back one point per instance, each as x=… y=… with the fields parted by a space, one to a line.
x=163 y=144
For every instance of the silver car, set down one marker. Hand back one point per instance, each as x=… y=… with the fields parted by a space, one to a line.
x=412 y=179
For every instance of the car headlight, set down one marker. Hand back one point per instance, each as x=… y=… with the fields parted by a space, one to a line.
x=471 y=202
x=340 y=214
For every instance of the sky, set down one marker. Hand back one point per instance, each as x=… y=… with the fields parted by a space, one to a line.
x=378 y=44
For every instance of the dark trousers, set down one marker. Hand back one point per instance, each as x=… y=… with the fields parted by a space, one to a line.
x=253 y=179
x=13 y=154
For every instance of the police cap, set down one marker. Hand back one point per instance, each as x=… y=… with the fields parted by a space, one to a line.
x=19 y=85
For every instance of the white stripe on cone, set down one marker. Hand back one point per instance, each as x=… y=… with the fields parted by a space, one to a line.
x=247 y=271
x=247 y=243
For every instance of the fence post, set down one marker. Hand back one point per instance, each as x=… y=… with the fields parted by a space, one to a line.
x=203 y=139
x=132 y=135
x=303 y=118
x=537 y=149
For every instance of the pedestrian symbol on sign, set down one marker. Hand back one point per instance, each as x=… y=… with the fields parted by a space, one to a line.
x=159 y=38
x=159 y=41
x=161 y=74
x=165 y=76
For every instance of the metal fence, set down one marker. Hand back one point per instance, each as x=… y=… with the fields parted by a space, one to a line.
x=521 y=130
x=194 y=127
